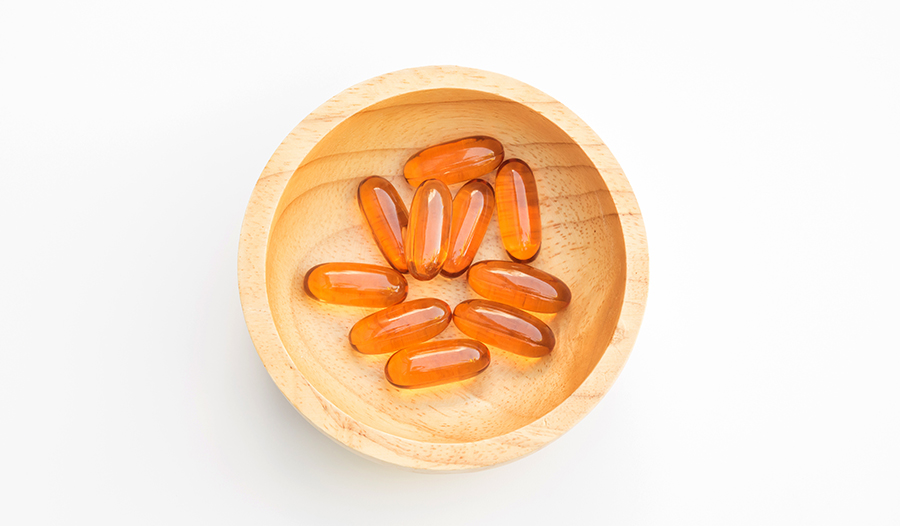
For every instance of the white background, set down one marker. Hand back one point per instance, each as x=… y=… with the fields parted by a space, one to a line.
x=761 y=139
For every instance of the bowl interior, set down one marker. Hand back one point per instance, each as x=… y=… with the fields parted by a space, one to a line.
x=318 y=221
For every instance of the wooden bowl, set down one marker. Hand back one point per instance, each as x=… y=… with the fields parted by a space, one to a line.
x=303 y=212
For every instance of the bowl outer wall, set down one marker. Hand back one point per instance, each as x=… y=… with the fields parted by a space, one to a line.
x=374 y=443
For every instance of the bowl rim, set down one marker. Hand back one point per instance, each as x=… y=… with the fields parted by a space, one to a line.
x=320 y=412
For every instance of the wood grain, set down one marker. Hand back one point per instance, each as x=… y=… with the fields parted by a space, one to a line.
x=303 y=212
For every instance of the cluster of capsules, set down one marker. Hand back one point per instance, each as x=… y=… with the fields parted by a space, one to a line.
x=442 y=234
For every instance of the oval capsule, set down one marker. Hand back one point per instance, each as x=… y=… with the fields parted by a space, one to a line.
x=400 y=326
x=455 y=161
x=519 y=285
x=503 y=326
x=472 y=210
x=428 y=235
x=355 y=284
x=386 y=216
x=518 y=210
x=436 y=363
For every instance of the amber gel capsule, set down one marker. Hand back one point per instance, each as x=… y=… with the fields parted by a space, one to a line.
x=436 y=363
x=387 y=218
x=400 y=326
x=506 y=327
x=428 y=235
x=519 y=285
x=472 y=210
x=355 y=284
x=518 y=210
x=456 y=161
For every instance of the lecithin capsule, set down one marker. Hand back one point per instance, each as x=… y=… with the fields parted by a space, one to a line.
x=506 y=327
x=387 y=218
x=400 y=326
x=472 y=210
x=435 y=363
x=355 y=284
x=519 y=285
x=455 y=161
x=518 y=210
x=428 y=235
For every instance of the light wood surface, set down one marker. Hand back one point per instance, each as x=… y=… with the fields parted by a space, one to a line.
x=303 y=212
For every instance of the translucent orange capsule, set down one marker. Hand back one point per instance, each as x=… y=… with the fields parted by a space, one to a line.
x=506 y=327
x=387 y=218
x=472 y=210
x=355 y=284
x=428 y=235
x=519 y=285
x=436 y=363
x=518 y=211
x=456 y=161
x=400 y=326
